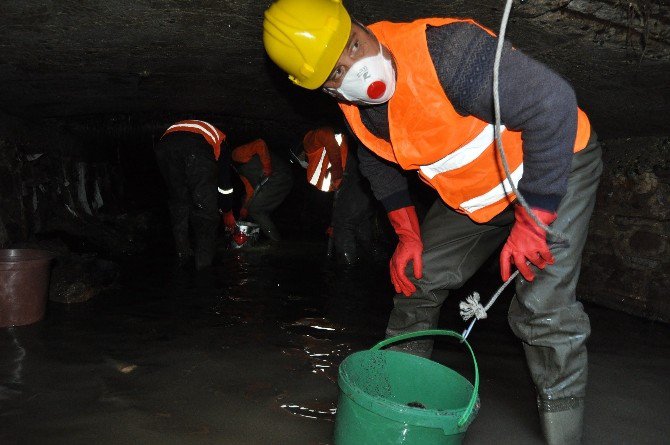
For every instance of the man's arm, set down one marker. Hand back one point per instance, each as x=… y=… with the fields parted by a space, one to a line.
x=389 y=186
x=224 y=181
x=388 y=183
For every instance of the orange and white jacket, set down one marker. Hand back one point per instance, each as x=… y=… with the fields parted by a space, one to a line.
x=212 y=135
x=326 y=153
x=244 y=153
x=454 y=154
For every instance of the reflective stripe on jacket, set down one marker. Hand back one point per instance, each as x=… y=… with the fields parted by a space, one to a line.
x=318 y=144
x=454 y=154
x=212 y=135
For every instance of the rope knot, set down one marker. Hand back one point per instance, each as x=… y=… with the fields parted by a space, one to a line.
x=471 y=307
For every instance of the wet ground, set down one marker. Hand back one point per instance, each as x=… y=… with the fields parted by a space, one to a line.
x=247 y=353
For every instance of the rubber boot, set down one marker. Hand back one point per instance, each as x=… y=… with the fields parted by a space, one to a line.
x=271 y=232
x=563 y=427
x=344 y=242
x=205 y=241
x=419 y=312
x=268 y=228
x=184 y=261
x=203 y=258
x=179 y=215
x=347 y=259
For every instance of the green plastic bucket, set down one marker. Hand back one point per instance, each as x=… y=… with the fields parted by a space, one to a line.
x=390 y=397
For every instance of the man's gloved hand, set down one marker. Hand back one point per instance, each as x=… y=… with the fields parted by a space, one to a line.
x=406 y=225
x=244 y=213
x=228 y=220
x=526 y=242
x=336 y=184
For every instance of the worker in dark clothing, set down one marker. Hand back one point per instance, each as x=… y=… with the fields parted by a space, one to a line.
x=331 y=166
x=419 y=97
x=267 y=181
x=193 y=158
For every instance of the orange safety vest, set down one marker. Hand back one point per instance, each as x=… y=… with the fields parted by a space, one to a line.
x=454 y=154
x=318 y=164
x=244 y=153
x=212 y=135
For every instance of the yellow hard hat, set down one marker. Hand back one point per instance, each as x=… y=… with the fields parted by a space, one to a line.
x=306 y=37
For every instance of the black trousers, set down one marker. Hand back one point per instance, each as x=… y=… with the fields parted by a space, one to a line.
x=189 y=168
x=545 y=314
x=270 y=195
x=353 y=213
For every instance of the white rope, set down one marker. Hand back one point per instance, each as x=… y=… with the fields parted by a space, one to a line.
x=557 y=235
x=471 y=307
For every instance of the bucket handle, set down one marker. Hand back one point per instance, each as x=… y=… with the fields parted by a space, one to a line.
x=468 y=411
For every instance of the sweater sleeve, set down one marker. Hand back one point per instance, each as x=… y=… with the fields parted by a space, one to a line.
x=388 y=183
x=534 y=100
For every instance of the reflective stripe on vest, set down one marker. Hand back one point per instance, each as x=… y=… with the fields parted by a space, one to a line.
x=464 y=155
x=494 y=195
x=322 y=177
x=314 y=180
x=212 y=135
x=468 y=153
x=454 y=154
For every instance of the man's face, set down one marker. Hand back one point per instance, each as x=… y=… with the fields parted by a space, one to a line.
x=361 y=44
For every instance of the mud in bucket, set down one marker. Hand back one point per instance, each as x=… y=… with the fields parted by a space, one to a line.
x=390 y=397
x=24 y=285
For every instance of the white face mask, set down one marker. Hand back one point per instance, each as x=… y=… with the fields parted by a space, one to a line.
x=370 y=80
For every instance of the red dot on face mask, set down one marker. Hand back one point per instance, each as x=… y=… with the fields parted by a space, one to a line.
x=376 y=89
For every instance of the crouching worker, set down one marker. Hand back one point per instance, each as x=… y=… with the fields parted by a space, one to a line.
x=267 y=181
x=193 y=158
x=332 y=167
x=419 y=95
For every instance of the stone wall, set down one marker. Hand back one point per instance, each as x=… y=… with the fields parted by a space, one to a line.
x=627 y=257
x=59 y=181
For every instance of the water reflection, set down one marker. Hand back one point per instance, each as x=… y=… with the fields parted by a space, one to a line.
x=311 y=413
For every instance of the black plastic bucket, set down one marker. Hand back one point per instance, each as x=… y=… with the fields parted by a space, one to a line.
x=24 y=285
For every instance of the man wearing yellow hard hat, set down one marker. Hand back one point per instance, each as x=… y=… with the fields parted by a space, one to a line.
x=419 y=96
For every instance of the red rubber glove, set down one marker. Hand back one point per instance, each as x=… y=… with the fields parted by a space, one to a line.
x=244 y=213
x=526 y=242
x=228 y=220
x=406 y=225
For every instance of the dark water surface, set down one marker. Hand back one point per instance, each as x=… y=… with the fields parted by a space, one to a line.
x=247 y=353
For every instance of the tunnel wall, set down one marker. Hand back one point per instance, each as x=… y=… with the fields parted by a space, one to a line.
x=626 y=263
x=92 y=183
x=88 y=83
x=63 y=186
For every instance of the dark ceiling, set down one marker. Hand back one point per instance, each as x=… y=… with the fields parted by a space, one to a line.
x=65 y=58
